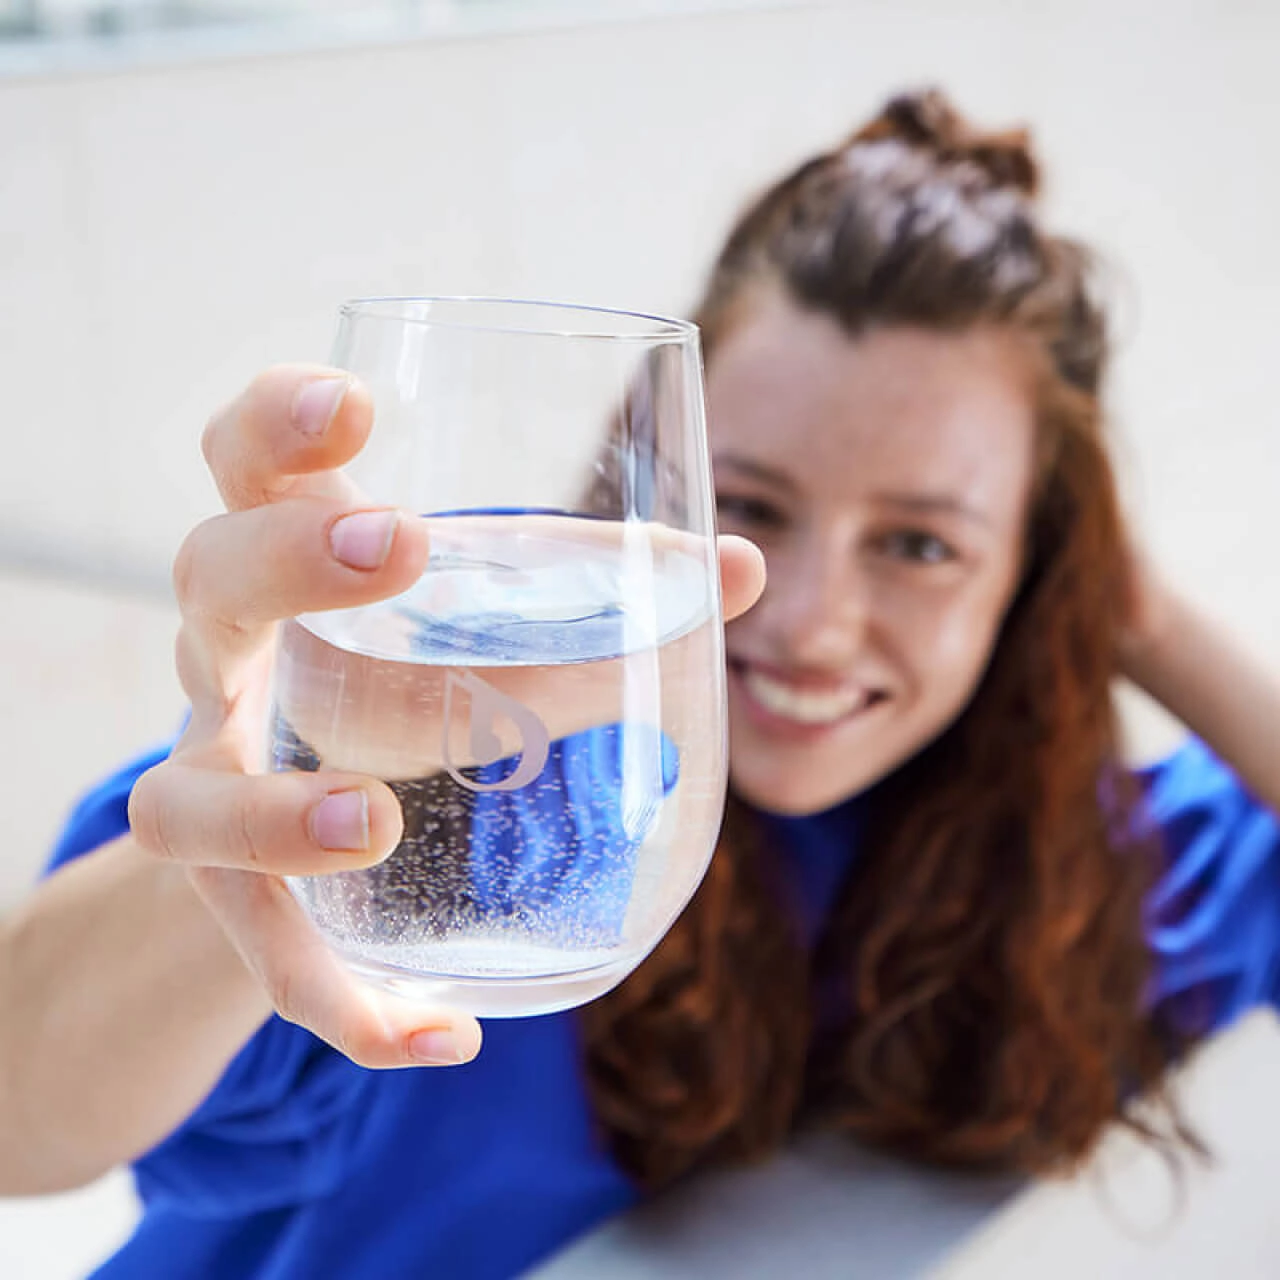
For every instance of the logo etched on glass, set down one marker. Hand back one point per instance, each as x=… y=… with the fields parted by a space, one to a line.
x=489 y=706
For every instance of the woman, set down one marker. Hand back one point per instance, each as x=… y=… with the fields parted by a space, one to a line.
x=942 y=916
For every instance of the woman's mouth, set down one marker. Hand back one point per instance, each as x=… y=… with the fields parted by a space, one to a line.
x=803 y=704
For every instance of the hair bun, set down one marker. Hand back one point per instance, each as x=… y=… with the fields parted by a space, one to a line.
x=928 y=121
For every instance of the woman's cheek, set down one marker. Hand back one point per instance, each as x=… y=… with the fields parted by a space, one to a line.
x=948 y=634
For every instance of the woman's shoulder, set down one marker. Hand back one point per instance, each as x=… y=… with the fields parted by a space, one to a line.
x=1189 y=774
x=1213 y=914
x=1206 y=818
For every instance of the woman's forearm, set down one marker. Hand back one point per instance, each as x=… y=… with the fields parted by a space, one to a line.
x=1223 y=693
x=121 y=1003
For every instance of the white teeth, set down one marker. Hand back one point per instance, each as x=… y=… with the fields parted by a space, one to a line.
x=803 y=707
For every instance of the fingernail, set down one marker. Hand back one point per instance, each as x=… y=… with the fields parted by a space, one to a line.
x=437 y=1047
x=363 y=540
x=341 y=821
x=315 y=404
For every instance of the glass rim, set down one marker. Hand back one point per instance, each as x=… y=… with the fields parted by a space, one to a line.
x=642 y=326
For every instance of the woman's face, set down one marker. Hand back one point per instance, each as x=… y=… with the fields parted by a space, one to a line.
x=886 y=480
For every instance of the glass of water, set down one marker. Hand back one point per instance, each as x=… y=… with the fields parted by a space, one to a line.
x=547 y=700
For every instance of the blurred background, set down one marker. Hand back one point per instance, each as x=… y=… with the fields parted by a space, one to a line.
x=187 y=189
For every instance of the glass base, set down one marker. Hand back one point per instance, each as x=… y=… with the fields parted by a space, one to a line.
x=499 y=995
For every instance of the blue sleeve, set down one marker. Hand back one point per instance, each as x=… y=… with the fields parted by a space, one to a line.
x=278 y=1125
x=280 y=1128
x=1213 y=919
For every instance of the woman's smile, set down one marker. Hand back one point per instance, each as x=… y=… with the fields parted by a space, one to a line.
x=792 y=701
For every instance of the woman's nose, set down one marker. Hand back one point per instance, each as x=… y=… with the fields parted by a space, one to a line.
x=816 y=606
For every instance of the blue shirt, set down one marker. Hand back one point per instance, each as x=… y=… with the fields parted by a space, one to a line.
x=301 y=1164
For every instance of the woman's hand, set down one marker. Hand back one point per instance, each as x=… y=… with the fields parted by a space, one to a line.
x=296 y=539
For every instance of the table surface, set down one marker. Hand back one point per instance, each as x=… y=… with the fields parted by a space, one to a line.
x=826 y=1208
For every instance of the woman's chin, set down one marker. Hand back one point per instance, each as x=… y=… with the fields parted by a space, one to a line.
x=798 y=798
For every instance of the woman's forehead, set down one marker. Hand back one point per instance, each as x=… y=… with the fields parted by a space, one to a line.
x=901 y=409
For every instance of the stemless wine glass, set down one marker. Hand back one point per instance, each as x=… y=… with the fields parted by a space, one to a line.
x=547 y=700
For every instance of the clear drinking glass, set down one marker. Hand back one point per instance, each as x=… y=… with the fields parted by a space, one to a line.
x=547 y=701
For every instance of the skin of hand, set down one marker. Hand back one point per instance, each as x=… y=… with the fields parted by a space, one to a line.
x=296 y=538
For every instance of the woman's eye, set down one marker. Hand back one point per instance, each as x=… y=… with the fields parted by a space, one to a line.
x=917 y=547
x=748 y=511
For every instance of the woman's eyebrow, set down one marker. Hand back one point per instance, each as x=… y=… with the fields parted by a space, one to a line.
x=923 y=503
x=934 y=504
x=752 y=470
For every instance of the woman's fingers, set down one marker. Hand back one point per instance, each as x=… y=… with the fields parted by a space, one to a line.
x=237 y=574
x=292 y=421
x=309 y=986
x=236 y=835
x=741 y=574
x=296 y=556
x=282 y=824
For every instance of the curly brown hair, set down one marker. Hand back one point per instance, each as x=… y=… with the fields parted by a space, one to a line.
x=981 y=977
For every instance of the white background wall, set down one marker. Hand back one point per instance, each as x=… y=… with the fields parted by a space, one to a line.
x=165 y=231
